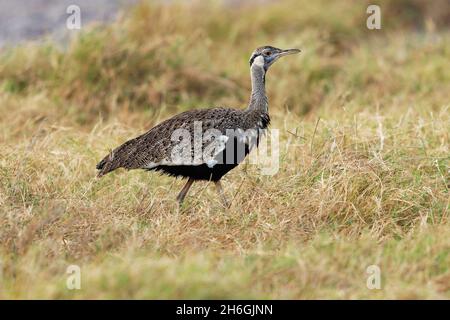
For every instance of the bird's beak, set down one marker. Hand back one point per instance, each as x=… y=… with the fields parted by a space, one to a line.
x=288 y=51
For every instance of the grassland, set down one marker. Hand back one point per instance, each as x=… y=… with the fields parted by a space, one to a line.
x=364 y=160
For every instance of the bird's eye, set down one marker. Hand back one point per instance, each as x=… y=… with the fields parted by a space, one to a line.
x=267 y=53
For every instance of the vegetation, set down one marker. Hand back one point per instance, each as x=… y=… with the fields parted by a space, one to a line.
x=364 y=156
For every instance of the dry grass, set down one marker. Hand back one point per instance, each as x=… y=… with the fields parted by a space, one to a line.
x=364 y=160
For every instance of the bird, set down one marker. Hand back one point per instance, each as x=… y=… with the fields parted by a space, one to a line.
x=202 y=144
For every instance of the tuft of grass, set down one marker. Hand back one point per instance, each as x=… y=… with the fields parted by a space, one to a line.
x=364 y=176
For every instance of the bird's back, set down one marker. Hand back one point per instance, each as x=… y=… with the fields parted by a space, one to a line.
x=154 y=148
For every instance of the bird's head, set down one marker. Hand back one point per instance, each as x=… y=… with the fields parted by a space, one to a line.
x=267 y=55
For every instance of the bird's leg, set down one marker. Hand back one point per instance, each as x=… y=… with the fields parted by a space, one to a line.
x=184 y=191
x=221 y=193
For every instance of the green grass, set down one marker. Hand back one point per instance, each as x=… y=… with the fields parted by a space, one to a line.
x=327 y=267
x=364 y=172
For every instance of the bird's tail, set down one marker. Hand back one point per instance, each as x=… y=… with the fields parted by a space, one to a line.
x=120 y=157
x=106 y=165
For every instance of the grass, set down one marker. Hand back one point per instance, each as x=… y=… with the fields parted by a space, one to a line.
x=364 y=172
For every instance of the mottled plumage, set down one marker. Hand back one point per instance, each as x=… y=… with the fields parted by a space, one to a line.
x=154 y=147
x=154 y=150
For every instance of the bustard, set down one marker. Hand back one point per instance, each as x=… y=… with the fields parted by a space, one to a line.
x=211 y=129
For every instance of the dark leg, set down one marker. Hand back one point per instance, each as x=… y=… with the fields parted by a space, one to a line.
x=221 y=194
x=184 y=191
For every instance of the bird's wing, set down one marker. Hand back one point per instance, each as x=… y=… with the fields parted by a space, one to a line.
x=199 y=136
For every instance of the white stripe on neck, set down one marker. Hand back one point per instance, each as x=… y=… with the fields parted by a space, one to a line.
x=259 y=61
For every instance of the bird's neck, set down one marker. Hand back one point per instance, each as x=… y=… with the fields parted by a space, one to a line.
x=258 y=98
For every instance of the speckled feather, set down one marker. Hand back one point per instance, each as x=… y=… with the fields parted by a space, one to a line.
x=155 y=146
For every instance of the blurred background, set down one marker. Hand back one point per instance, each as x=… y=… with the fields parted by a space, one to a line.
x=167 y=54
x=28 y=20
x=24 y=20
